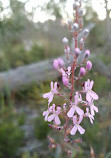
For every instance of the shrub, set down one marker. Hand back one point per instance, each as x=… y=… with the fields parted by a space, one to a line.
x=41 y=128
x=11 y=136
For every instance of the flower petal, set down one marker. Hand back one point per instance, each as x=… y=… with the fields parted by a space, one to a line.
x=71 y=112
x=51 y=84
x=94 y=95
x=51 y=117
x=58 y=110
x=46 y=95
x=57 y=120
x=91 y=84
x=46 y=117
x=95 y=108
x=91 y=120
x=80 y=119
x=81 y=130
x=45 y=113
x=53 y=108
x=88 y=97
x=55 y=85
x=50 y=98
x=79 y=110
x=74 y=130
x=75 y=119
x=92 y=110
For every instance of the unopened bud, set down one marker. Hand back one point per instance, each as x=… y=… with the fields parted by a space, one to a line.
x=65 y=81
x=82 y=71
x=76 y=5
x=80 y=12
x=75 y=28
x=60 y=62
x=87 y=53
x=65 y=40
x=86 y=33
x=77 y=52
x=88 y=65
x=55 y=64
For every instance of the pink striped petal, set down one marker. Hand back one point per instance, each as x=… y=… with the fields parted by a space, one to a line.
x=80 y=119
x=58 y=110
x=71 y=112
x=92 y=111
x=79 y=110
x=51 y=117
x=94 y=95
x=46 y=95
x=91 y=120
x=46 y=117
x=75 y=119
x=95 y=108
x=88 y=98
x=53 y=108
x=55 y=85
x=45 y=113
x=81 y=130
x=57 y=120
x=91 y=84
x=51 y=84
x=74 y=130
x=88 y=82
x=50 y=98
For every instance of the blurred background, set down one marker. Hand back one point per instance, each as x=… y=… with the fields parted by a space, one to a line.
x=31 y=32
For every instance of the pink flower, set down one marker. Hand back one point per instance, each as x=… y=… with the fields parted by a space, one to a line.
x=46 y=113
x=89 y=115
x=82 y=71
x=87 y=53
x=50 y=94
x=74 y=108
x=65 y=81
x=58 y=63
x=77 y=51
x=61 y=62
x=65 y=75
x=55 y=64
x=88 y=65
x=90 y=94
x=55 y=114
x=76 y=127
x=93 y=108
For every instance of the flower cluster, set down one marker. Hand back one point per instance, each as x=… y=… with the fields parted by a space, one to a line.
x=78 y=104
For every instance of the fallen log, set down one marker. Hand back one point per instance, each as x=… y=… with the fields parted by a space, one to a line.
x=42 y=71
x=39 y=72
